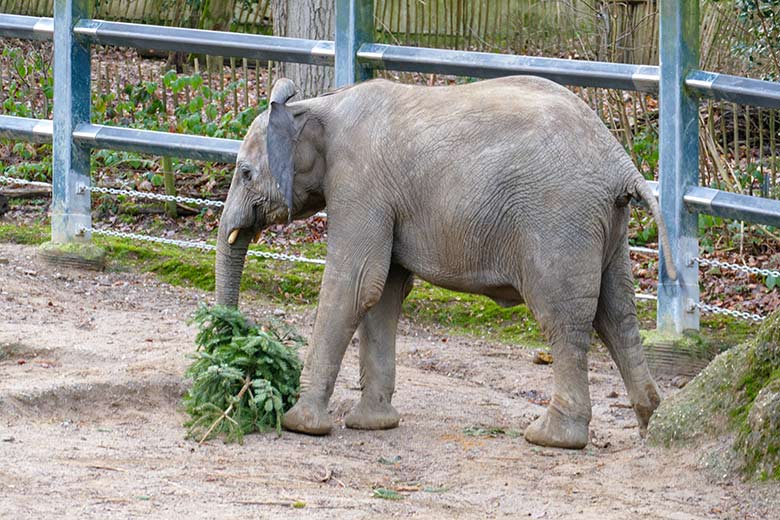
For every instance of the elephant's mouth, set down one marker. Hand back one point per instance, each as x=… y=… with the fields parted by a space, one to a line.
x=234 y=236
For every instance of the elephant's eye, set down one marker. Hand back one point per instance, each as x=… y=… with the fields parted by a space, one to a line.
x=246 y=172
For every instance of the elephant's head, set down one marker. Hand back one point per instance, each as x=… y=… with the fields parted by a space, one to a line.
x=279 y=175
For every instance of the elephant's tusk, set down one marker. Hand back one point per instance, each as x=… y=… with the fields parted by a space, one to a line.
x=257 y=236
x=233 y=236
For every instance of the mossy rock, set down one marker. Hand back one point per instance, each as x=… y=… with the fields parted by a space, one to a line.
x=759 y=443
x=737 y=398
x=77 y=255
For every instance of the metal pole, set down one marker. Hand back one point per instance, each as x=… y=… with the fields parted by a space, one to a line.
x=71 y=203
x=679 y=164
x=354 y=27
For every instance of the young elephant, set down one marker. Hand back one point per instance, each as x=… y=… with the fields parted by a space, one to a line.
x=511 y=188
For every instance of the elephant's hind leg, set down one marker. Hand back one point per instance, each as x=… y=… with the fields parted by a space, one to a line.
x=617 y=325
x=567 y=322
x=377 y=334
x=566 y=421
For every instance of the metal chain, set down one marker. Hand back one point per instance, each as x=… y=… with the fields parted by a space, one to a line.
x=136 y=194
x=716 y=263
x=202 y=246
x=705 y=307
x=642 y=296
x=737 y=267
x=155 y=196
x=15 y=180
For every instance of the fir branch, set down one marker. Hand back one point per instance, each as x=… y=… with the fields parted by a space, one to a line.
x=227 y=412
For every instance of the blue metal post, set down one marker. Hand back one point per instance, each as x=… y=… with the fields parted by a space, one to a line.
x=679 y=164
x=70 y=201
x=354 y=27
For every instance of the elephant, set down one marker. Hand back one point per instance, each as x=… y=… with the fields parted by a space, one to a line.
x=511 y=188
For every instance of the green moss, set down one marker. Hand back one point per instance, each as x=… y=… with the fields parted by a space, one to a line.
x=472 y=315
x=693 y=413
x=30 y=234
x=281 y=282
x=692 y=343
x=85 y=250
x=737 y=395
x=724 y=331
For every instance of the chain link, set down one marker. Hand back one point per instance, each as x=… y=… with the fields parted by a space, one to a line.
x=155 y=196
x=705 y=307
x=642 y=296
x=136 y=194
x=15 y=180
x=202 y=246
x=637 y=249
x=737 y=267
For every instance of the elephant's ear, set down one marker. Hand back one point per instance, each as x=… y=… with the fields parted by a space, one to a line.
x=280 y=139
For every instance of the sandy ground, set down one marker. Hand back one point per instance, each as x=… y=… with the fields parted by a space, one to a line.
x=91 y=371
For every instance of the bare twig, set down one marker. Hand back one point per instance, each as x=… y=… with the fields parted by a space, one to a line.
x=247 y=384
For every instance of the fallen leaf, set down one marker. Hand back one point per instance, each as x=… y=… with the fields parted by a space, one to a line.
x=386 y=494
x=542 y=358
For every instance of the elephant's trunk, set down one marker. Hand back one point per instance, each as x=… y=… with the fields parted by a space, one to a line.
x=230 y=264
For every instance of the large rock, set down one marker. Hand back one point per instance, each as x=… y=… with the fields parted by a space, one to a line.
x=735 y=399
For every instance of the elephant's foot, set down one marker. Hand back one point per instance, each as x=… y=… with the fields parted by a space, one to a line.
x=645 y=407
x=306 y=417
x=372 y=415
x=556 y=430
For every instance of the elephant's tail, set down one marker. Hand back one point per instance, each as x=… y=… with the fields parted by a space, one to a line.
x=642 y=191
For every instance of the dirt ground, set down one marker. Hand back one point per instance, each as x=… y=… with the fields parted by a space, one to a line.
x=91 y=371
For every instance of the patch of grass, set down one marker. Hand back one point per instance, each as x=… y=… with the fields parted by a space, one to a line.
x=281 y=282
x=489 y=431
x=721 y=331
x=30 y=234
x=86 y=251
x=11 y=350
x=472 y=315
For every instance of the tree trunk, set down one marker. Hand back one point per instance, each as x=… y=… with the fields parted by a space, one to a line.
x=313 y=19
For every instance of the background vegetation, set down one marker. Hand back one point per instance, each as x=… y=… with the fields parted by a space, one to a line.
x=209 y=96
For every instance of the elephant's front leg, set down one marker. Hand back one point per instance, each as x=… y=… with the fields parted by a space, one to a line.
x=377 y=333
x=352 y=284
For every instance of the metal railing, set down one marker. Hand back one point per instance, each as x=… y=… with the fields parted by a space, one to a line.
x=678 y=81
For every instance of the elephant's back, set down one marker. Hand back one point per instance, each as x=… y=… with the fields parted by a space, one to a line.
x=515 y=129
x=507 y=119
x=529 y=146
x=509 y=103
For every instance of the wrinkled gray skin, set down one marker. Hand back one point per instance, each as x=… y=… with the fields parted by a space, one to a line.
x=511 y=188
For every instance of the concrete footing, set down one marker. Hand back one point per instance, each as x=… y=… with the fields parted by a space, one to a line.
x=73 y=255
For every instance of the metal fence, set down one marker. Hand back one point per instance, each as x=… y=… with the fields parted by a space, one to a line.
x=678 y=82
